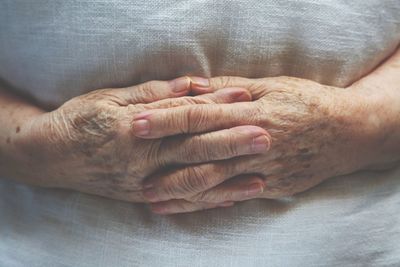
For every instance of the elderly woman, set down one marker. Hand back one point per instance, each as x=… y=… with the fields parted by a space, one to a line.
x=233 y=101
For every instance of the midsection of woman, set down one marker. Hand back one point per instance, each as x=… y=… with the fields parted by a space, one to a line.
x=54 y=51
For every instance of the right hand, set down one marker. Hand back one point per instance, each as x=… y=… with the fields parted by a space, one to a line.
x=87 y=144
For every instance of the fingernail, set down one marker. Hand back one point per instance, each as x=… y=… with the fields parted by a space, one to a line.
x=199 y=81
x=180 y=85
x=159 y=209
x=225 y=204
x=253 y=190
x=151 y=195
x=260 y=141
x=260 y=144
x=143 y=114
x=141 y=127
x=236 y=94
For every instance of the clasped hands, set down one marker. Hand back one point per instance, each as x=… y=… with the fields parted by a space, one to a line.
x=195 y=143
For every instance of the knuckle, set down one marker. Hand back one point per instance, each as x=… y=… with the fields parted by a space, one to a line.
x=132 y=109
x=213 y=150
x=148 y=92
x=196 y=144
x=173 y=189
x=180 y=121
x=225 y=169
x=256 y=114
x=174 y=184
x=185 y=182
x=154 y=155
x=198 y=118
x=228 y=81
x=220 y=81
x=208 y=149
x=199 y=197
x=193 y=120
x=196 y=178
x=148 y=85
x=231 y=146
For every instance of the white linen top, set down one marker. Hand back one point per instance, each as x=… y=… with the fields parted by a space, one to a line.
x=55 y=50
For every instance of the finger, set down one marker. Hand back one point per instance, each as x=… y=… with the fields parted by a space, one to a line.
x=191 y=180
x=153 y=91
x=183 y=206
x=225 y=95
x=187 y=182
x=218 y=145
x=159 y=123
x=200 y=85
x=239 y=188
x=256 y=87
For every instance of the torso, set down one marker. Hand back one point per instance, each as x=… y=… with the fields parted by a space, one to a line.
x=58 y=50
x=55 y=50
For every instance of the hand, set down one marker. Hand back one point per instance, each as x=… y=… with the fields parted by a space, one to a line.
x=317 y=133
x=87 y=144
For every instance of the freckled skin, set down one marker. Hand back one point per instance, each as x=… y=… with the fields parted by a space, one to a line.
x=315 y=133
x=311 y=135
x=83 y=145
x=87 y=147
x=87 y=144
x=318 y=132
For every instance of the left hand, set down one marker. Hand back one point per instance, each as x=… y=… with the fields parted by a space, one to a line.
x=317 y=132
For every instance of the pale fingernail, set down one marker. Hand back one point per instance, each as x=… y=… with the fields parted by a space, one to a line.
x=253 y=190
x=141 y=127
x=260 y=144
x=199 y=81
x=151 y=195
x=225 y=204
x=143 y=115
x=235 y=94
x=159 y=209
x=260 y=140
x=180 y=85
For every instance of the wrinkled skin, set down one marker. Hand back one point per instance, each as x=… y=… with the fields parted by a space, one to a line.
x=316 y=134
x=87 y=144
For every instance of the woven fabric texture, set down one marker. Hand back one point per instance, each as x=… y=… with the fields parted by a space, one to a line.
x=55 y=50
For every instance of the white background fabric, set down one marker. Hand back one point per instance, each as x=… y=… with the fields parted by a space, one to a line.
x=54 y=50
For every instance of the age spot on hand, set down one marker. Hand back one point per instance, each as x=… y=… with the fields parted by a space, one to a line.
x=18 y=129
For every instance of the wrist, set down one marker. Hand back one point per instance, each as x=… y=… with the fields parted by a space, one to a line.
x=377 y=114
x=24 y=160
